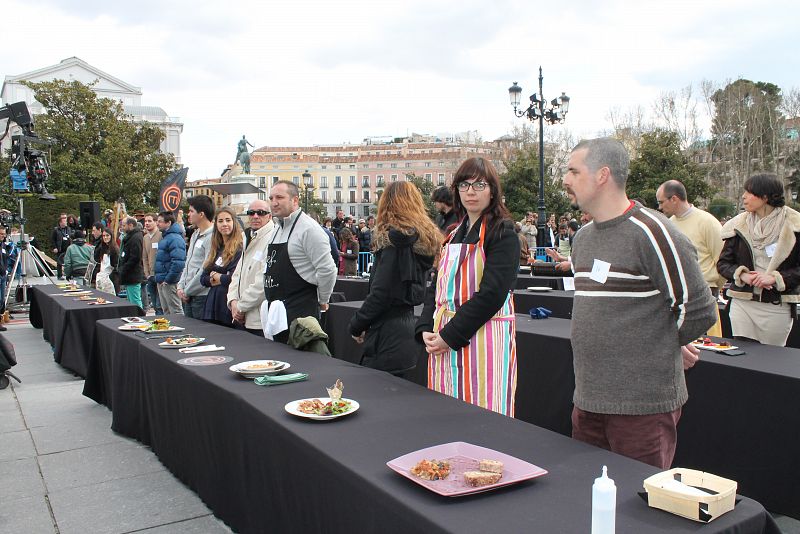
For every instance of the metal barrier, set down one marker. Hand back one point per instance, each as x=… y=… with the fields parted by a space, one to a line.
x=364 y=261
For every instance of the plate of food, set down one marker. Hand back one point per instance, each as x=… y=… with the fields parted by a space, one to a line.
x=706 y=343
x=134 y=327
x=86 y=298
x=181 y=342
x=540 y=288
x=324 y=408
x=76 y=293
x=100 y=301
x=255 y=368
x=459 y=468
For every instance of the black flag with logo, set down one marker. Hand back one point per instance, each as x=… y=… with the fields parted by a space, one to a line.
x=172 y=190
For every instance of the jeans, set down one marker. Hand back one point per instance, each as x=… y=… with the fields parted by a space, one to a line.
x=134 y=292
x=152 y=292
x=3 y=283
x=194 y=308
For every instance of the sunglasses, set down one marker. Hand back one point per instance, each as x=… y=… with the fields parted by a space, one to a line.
x=477 y=186
x=260 y=213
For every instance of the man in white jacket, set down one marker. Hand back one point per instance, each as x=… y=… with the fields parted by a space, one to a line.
x=246 y=292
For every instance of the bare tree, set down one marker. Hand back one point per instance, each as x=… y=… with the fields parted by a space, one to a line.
x=627 y=126
x=677 y=111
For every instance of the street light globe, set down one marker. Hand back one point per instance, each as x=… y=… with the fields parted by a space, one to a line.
x=515 y=95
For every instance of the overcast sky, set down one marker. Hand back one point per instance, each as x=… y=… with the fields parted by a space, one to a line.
x=304 y=72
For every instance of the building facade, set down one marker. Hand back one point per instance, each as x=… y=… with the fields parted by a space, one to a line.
x=105 y=86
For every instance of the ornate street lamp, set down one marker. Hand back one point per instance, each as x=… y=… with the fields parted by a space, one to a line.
x=555 y=113
x=308 y=186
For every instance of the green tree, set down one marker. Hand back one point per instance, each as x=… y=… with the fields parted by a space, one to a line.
x=521 y=185
x=660 y=159
x=98 y=150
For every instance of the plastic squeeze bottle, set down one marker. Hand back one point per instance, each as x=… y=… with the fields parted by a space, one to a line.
x=604 y=504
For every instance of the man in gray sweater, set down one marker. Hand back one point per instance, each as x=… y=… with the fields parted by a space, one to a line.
x=640 y=299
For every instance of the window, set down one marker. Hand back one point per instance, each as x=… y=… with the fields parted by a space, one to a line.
x=380 y=165
x=352 y=196
x=408 y=165
x=262 y=182
x=324 y=196
x=352 y=181
x=274 y=166
x=338 y=198
x=365 y=181
x=366 y=212
x=427 y=163
x=393 y=165
x=365 y=166
x=296 y=180
x=380 y=180
x=324 y=166
x=441 y=178
x=338 y=167
x=353 y=166
x=353 y=211
x=394 y=178
x=275 y=179
x=366 y=196
x=337 y=181
x=428 y=177
x=262 y=196
x=323 y=182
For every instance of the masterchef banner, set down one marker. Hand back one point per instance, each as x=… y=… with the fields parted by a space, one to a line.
x=172 y=190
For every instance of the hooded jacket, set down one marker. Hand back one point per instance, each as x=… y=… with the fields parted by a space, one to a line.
x=171 y=255
x=736 y=258
x=130 y=258
x=77 y=257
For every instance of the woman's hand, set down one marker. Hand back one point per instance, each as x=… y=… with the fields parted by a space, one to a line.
x=360 y=338
x=747 y=278
x=434 y=344
x=762 y=280
x=214 y=277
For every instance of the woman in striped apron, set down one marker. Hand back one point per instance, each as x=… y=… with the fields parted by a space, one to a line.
x=468 y=321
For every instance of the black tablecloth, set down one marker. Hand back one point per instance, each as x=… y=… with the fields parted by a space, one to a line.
x=261 y=469
x=68 y=324
x=525 y=280
x=739 y=405
x=353 y=288
x=558 y=302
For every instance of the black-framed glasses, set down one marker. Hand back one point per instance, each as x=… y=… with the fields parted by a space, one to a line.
x=260 y=213
x=477 y=185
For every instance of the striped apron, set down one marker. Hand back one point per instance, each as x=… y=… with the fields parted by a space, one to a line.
x=484 y=372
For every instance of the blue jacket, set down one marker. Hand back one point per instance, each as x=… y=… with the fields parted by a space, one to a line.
x=171 y=255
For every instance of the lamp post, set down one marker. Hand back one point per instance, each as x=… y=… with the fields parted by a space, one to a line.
x=308 y=185
x=555 y=113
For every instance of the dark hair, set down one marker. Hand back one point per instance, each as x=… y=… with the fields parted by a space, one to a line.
x=766 y=185
x=203 y=204
x=574 y=226
x=112 y=243
x=168 y=217
x=480 y=167
x=442 y=194
x=78 y=234
x=673 y=188
x=98 y=225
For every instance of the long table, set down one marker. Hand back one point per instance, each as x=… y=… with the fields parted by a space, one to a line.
x=738 y=422
x=261 y=469
x=68 y=324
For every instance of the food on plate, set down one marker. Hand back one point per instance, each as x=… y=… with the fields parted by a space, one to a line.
x=431 y=469
x=491 y=466
x=477 y=479
x=181 y=340
x=101 y=300
x=160 y=324
x=317 y=407
x=86 y=297
x=336 y=390
x=261 y=366
x=707 y=342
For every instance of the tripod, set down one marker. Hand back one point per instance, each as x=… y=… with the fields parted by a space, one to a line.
x=26 y=250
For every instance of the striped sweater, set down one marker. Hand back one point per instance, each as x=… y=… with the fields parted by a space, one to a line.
x=627 y=331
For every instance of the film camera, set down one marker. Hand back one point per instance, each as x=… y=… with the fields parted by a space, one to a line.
x=29 y=170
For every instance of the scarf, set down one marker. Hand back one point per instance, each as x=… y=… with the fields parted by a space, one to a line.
x=766 y=231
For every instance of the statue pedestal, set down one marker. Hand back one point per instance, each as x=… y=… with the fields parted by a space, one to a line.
x=239 y=202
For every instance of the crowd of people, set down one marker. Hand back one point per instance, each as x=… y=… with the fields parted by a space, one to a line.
x=646 y=282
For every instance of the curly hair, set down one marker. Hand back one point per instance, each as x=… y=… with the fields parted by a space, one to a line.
x=402 y=209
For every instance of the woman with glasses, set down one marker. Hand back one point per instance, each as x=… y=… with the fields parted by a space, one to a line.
x=467 y=323
x=761 y=258
x=405 y=242
x=223 y=255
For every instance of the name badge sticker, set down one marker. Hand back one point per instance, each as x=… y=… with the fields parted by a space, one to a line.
x=219 y=261
x=770 y=249
x=155 y=246
x=258 y=255
x=600 y=271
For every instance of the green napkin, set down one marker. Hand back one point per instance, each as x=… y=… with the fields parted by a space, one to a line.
x=280 y=379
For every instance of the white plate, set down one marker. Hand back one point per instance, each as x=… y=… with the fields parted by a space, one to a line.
x=172 y=328
x=239 y=368
x=291 y=407
x=166 y=345
x=539 y=288
x=134 y=327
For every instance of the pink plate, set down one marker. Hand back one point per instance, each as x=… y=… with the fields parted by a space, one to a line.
x=464 y=457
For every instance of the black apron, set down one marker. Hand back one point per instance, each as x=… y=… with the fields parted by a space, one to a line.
x=281 y=282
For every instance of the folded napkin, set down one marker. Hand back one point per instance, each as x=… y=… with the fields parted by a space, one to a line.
x=540 y=313
x=280 y=379
x=206 y=348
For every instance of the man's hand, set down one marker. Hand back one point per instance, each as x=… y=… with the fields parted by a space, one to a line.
x=434 y=344
x=323 y=306
x=182 y=296
x=360 y=338
x=564 y=266
x=552 y=254
x=690 y=355
x=238 y=316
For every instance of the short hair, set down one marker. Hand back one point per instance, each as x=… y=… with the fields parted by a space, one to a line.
x=673 y=188
x=574 y=226
x=203 y=204
x=442 y=194
x=130 y=220
x=98 y=225
x=168 y=217
x=151 y=214
x=291 y=187
x=766 y=185
x=606 y=152
x=78 y=234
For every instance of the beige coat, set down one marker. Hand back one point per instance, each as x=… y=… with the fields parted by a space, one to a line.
x=149 y=253
x=247 y=282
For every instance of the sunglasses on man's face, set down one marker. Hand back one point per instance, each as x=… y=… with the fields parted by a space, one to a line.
x=260 y=213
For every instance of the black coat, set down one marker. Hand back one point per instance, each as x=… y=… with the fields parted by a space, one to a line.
x=445 y=220
x=131 y=270
x=499 y=279
x=57 y=238
x=216 y=307
x=397 y=284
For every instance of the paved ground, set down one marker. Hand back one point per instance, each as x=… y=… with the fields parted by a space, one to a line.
x=63 y=471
